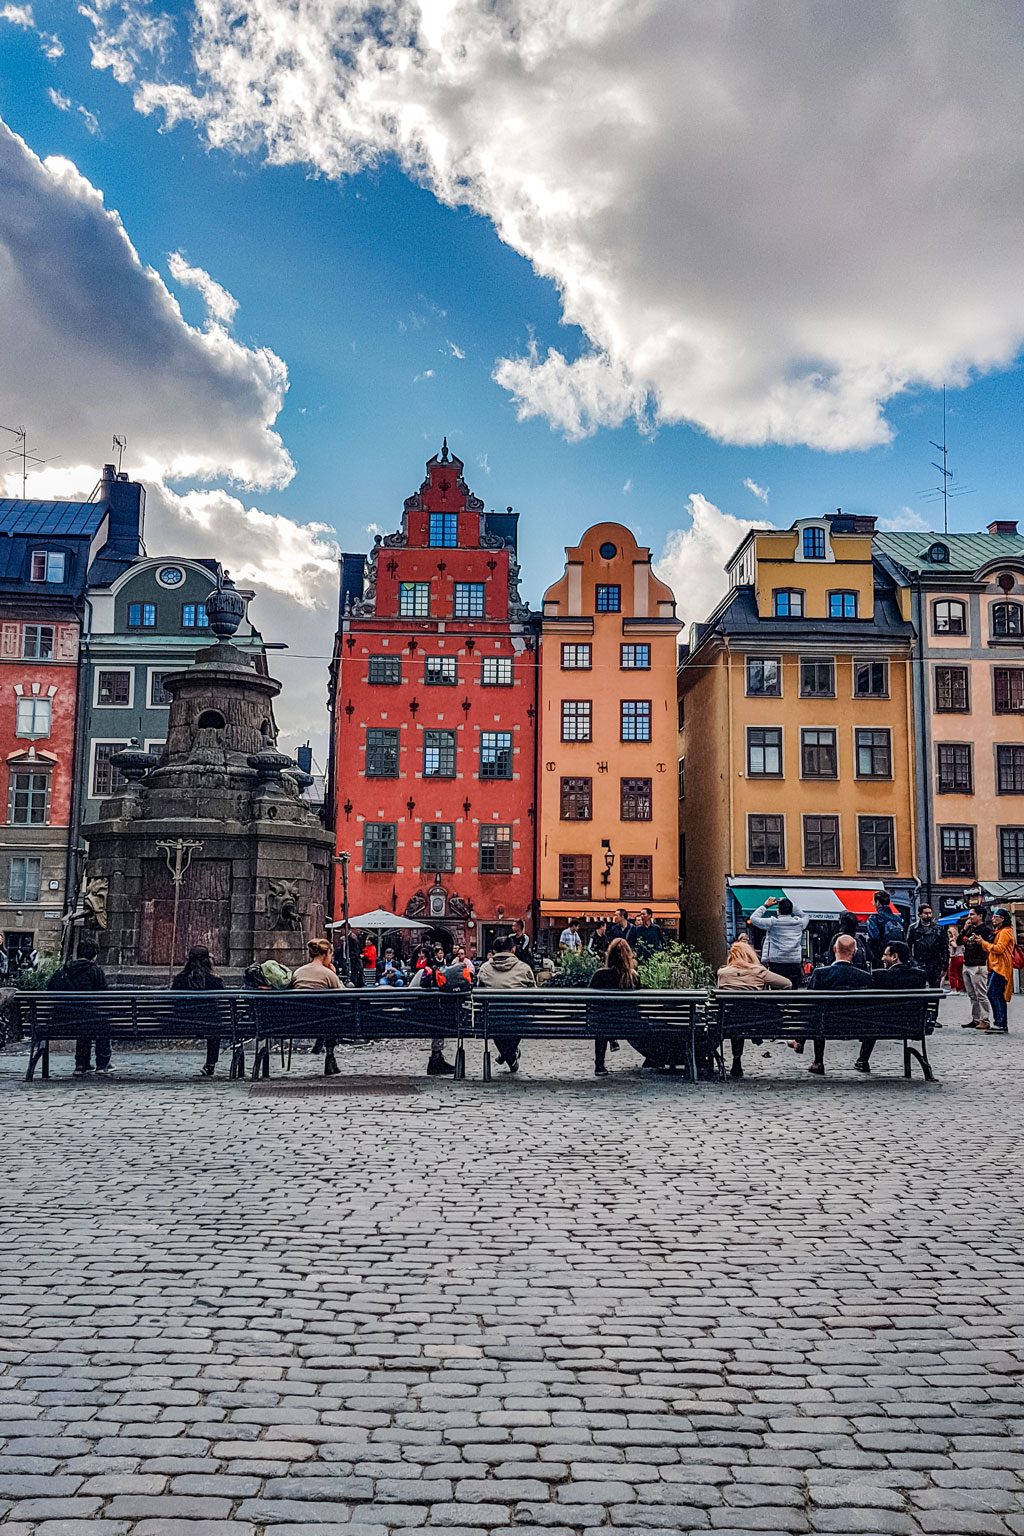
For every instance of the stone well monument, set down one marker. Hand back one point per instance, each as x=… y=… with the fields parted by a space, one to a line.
x=211 y=843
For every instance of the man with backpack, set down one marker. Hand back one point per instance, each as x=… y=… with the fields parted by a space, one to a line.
x=883 y=925
x=83 y=974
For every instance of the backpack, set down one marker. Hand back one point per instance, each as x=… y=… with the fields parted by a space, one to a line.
x=1018 y=958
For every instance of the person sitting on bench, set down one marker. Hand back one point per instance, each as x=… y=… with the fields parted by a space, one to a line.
x=743 y=972
x=897 y=975
x=841 y=976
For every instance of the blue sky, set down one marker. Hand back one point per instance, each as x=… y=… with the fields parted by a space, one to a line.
x=390 y=311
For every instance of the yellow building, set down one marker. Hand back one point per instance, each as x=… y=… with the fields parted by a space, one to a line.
x=796 y=773
x=607 y=738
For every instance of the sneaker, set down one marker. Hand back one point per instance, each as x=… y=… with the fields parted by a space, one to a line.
x=207 y=1071
x=996 y=1029
x=600 y=1071
x=81 y=1071
x=108 y=1068
x=438 y=1067
x=513 y=1065
x=736 y=1070
x=613 y=1045
x=818 y=1068
x=861 y=1066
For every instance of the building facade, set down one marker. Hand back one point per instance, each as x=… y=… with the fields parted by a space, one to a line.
x=433 y=703
x=796 y=748
x=147 y=621
x=966 y=600
x=607 y=752
x=46 y=554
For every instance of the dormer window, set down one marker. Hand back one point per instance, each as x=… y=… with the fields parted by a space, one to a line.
x=48 y=565
x=1008 y=621
x=788 y=603
x=814 y=543
x=938 y=554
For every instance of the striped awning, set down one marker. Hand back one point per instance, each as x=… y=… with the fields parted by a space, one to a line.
x=821 y=903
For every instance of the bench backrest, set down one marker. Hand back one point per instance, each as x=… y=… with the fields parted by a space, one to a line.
x=811 y=1010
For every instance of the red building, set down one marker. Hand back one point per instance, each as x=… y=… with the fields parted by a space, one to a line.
x=433 y=705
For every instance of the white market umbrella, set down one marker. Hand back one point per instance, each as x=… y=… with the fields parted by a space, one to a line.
x=380 y=919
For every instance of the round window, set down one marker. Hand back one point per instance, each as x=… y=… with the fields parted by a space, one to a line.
x=171 y=576
x=608 y=551
x=938 y=554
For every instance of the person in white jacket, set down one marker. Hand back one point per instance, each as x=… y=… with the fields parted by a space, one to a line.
x=783 y=926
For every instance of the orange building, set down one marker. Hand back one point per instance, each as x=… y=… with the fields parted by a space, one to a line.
x=607 y=739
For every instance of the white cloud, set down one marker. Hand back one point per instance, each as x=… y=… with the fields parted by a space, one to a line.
x=762 y=492
x=627 y=487
x=22 y=16
x=65 y=104
x=220 y=305
x=454 y=351
x=766 y=219
x=482 y=463
x=903 y=520
x=428 y=373
x=93 y=343
x=693 y=559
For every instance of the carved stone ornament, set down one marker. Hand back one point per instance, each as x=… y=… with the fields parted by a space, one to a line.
x=283 y=904
x=94 y=901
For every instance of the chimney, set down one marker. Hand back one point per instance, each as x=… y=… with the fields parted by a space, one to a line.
x=126 y=502
x=998 y=528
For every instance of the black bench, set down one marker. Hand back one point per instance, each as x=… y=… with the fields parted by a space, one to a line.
x=131 y=1018
x=867 y=1014
x=661 y=1024
x=357 y=1015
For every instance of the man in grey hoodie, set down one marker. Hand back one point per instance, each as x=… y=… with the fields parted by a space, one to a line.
x=502 y=971
x=783 y=927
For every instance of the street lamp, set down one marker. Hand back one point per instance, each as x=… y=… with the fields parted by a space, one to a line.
x=609 y=861
x=343 y=862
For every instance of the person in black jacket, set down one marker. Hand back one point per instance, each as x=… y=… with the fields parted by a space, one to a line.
x=841 y=976
x=84 y=975
x=897 y=975
x=198 y=976
x=929 y=947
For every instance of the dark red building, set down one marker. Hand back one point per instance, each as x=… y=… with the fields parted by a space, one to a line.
x=433 y=705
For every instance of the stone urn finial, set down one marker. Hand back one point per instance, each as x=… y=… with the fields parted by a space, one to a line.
x=133 y=762
x=225 y=610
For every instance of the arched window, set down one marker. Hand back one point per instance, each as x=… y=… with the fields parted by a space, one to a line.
x=949 y=617
x=1008 y=621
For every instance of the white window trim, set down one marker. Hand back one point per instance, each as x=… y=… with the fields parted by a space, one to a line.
x=813 y=778
x=100 y=741
x=827 y=868
x=34 y=697
x=149 y=683
x=828 y=558
x=757 y=777
x=96 y=688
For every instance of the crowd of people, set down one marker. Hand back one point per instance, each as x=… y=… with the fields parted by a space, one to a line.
x=978 y=953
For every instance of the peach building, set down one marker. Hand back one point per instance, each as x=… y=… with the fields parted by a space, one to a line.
x=964 y=594
x=607 y=738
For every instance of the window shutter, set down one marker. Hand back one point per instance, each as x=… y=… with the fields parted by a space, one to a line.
x=67 y=642
x=10 y=640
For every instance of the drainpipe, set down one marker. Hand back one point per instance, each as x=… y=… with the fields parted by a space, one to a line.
x=921 y=695
x=71 y=864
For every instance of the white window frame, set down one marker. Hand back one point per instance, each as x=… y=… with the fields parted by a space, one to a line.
x=47 y=555
x=26 y=900
x=499 y=664
x=101 y=741
x=33 y=699
x=96 y=704
x=151 y=672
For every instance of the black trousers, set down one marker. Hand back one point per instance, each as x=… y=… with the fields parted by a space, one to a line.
x=507 y=1047
x=792 y=970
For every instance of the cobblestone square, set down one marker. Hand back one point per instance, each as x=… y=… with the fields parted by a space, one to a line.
x=622 y=1306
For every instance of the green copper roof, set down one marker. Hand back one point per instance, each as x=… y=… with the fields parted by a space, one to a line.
x=967 y=551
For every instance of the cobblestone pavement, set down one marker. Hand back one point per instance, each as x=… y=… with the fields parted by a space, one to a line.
x=619 y=1306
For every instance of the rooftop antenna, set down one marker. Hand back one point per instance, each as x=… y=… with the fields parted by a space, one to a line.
x=946 y=488
x=21 y=452
x=120 y=444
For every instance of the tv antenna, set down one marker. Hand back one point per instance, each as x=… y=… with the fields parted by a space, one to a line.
x=946 y=489
x=120 y=444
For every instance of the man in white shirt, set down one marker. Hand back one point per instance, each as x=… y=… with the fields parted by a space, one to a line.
x=570 y=937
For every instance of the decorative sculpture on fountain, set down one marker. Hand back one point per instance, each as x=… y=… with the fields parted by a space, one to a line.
x=283 y=904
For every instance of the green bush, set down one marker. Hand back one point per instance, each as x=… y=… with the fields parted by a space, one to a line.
x=37 y=977
x=576 y=968
x=676 y=966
